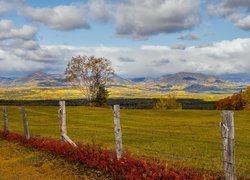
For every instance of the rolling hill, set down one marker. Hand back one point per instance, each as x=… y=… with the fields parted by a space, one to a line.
x=179 y=83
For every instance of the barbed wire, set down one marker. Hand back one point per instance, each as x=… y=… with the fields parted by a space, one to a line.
x=149 y=128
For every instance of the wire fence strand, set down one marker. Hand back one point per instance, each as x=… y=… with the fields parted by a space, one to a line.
x=197 y=141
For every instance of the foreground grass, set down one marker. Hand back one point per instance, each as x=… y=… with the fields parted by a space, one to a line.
x=181 y=137
x=18 y=162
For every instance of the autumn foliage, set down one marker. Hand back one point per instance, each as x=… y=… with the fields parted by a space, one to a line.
x=91 y=75
x=234 y=102
x=126 y=168
x=238 y=101
x=169 y=102
x=246 y=97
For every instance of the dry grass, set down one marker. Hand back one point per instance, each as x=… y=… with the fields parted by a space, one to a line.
x=18 y=162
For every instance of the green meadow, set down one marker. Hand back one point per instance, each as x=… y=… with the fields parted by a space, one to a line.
x=189 y=138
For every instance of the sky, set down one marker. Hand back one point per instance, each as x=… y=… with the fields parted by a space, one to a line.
x=140 y=37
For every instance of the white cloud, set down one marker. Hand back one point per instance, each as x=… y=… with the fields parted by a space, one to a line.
x=220 y=57
x=178 y=46
x=126 y=59
x=161 y=62
x=189 y=37
x=4 y=7
x=19 y=44
x=60 y=17
x=8 y=31
x=137 y=19
x=99 y=10
x=244 y=23
x=237 y=11
x=143 y=18
x=236 y=3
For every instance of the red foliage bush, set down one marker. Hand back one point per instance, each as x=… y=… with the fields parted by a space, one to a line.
x=126 y=168
x=234 y=102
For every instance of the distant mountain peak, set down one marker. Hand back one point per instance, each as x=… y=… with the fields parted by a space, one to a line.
x=189 y=78
x=184 y=81
x=190 y=74
x=38 y=74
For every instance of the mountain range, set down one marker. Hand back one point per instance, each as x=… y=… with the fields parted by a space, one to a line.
x=239 y=78
x=183 y=81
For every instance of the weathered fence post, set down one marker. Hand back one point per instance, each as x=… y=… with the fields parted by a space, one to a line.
x=62 y=124
x=62 y=117
x=25 y=124
x=227 y=126
x=5 y=115
x=118 y=131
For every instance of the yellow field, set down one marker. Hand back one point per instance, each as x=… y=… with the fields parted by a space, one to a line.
x=121 y=92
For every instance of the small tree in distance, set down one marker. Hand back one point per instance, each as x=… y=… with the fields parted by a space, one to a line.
x=168 y=102
x=91 y=75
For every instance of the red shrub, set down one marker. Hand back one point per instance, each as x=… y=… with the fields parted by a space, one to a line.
x=126 y=168
x=234 y=102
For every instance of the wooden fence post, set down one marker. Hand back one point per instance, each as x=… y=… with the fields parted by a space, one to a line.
x=62 y=117
x=118 y=131
x=5 y=115
x=25 y=124
x=62 y=124
x=227 y=126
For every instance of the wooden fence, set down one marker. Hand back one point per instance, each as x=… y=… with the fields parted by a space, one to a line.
x=227 y=129
x=227 y=126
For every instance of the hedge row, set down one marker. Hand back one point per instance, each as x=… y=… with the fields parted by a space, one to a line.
x=126 y=168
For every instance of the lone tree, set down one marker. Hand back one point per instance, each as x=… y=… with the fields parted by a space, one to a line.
x=91 y=75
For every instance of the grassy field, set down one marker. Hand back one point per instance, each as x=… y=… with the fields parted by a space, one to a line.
x=184 y=137
x=48 y=93
x=18 y=162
